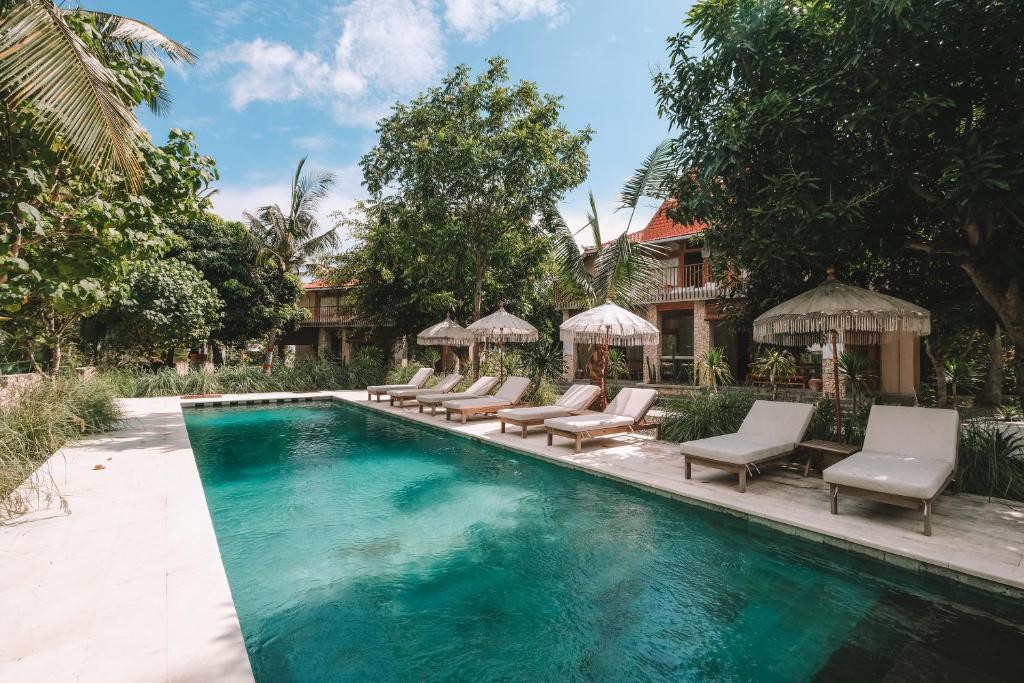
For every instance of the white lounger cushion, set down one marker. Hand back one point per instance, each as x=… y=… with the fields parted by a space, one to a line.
x=899 y=475
x=535 y=413
x=736 y=449
x=418 y=380
x=588 y=422
x=482 y=401
x=478 y=388
x=446 y=385
x=575 y=399
x=780 y=422
x=510 y=393
x=770 y=428
x=907 y=452
x=632 y=402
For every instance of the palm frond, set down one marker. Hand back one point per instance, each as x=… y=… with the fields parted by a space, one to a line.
x=594 y=223
x=575 y=282
x=131 y=36
x=627 y=272
x=43 y=63
x=653 y=178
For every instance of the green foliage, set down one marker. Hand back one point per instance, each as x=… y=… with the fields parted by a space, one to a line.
x=701 y=415
x=713 y=368
x=399 y=374
x=618 y=364
x=304 y=375
x=961 y=373
x=990 y=462
x=164 y=305
x=463 y=181
x=257 y=297
x=810 y=143
x=41 y=421
x=855 y=376
x=823 y=422
x=777 y=363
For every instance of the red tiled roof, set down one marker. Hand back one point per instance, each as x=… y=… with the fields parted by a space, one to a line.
x=322 y=284
x=661 y=227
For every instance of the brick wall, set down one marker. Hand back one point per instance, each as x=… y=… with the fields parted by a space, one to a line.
x=652 y=352
x=701 y=334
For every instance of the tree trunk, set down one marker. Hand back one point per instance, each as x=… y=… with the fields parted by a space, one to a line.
x=992 y=392
x=218 y=354
x=268 y=355
x=939 y=368
x=1018 y=366
x=478 y=295
x=57 y=355
x=1008 y=304
x=169 y=358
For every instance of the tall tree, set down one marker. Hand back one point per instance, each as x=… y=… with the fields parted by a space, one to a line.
x=478 y=162
x=58 y=61
x=257 y=297
x=291 y=240
x=815 y=133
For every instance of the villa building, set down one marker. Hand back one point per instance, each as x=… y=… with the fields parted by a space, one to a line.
x=687 y=309
x=328 y=331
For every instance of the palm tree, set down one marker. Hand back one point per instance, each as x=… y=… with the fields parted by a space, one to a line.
x=290 y=241
x=855 y=376
x=775 y=363
x=713 y=366
x=46 y=64
x=960 y=373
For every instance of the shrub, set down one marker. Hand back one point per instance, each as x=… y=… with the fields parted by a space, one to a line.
x=401 y=375
x=39 y=423
x=990 y=462
x=705 y=414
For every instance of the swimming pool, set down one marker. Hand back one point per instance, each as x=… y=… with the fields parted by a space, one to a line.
x=363 y=547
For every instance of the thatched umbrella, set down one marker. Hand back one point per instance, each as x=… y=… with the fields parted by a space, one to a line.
x=501 y=326
x=444 y=334
x=610 y=325
x=835 y=310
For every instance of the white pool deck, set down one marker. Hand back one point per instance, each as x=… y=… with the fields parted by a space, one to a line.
x=130 y=585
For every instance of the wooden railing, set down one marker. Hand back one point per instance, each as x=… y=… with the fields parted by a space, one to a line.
x=688 y=283
x=327 y=315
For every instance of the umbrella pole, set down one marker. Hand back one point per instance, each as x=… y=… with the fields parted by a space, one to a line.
x=501 y=360
x=835 y=379
x=604 y=372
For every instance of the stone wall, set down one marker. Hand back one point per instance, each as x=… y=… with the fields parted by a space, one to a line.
x=568 y=355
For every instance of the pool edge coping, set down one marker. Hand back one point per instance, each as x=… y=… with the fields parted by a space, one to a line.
x=959 y=574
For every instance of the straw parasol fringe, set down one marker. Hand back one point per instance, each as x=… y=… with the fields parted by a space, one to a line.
x=445 y=333
x=862 y=327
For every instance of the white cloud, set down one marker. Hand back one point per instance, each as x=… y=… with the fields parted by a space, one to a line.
x=475 y=19
x=231 y=199
x=386 y=50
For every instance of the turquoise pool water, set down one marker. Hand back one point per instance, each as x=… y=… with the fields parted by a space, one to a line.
x=361 y=547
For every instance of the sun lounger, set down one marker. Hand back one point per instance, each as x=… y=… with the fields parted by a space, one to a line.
x=445 y=386
x=770 y=432
x=417 y=381
x=510 y=394
x=576 y=399
x=626 y=413
x=481 y=387
x=908 y=458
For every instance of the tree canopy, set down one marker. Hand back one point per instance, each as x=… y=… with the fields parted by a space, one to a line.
x=464 y=180
x=853 y=134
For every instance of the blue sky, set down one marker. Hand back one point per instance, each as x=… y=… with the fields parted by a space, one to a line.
x=279 y=79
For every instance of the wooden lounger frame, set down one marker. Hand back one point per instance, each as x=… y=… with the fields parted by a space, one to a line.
x=603 y=431
x=910 y=502
x=434 y=405
x=469 y=411
x=735 y=468
x=379 y=392
x=522 y=423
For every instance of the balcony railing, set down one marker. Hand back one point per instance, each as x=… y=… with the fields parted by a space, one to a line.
x=327 y=315
x=687 y=283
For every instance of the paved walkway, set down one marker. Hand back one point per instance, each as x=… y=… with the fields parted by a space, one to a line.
x=130 y=585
